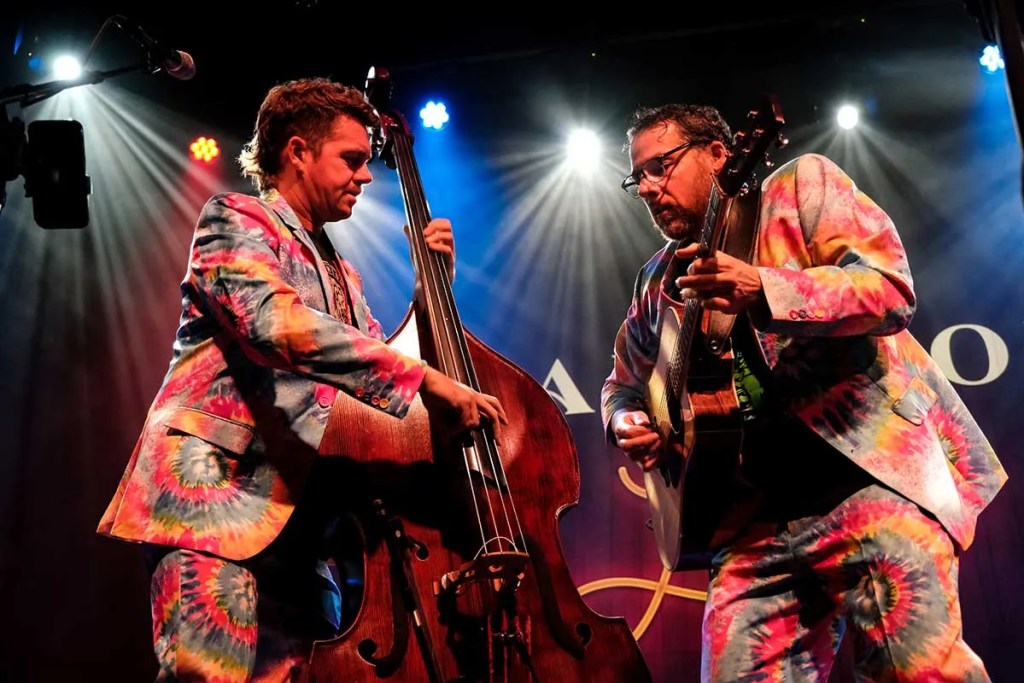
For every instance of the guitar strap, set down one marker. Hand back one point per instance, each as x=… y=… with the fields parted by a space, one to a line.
x=739 y=240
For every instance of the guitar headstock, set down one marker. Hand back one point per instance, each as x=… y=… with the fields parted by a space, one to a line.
x=750 y=146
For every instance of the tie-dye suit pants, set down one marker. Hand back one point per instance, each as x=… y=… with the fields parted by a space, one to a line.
x=875 y=569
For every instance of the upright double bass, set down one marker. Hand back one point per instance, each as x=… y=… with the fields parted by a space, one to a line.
x=464 y=575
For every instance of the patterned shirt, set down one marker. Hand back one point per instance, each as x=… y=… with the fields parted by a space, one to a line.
x=339 y=290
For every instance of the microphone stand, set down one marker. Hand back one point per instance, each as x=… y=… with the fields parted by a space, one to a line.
x=28 y=95
x=12 y=132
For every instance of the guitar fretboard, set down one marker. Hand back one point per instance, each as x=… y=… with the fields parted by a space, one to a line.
x=692 y=308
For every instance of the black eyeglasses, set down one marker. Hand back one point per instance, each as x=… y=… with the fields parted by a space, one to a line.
x=654 y=169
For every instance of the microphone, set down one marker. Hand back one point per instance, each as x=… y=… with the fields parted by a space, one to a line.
x=175 y=63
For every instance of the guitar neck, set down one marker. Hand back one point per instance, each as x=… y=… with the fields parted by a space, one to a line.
x=709 y=237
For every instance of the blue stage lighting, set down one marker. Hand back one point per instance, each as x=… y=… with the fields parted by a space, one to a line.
x=434 y=115
x=991 y=59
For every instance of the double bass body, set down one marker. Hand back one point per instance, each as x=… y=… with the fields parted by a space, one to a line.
x=420 y=490
x=464 y=575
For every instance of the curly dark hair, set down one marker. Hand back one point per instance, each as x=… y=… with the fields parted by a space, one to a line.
x=306 y=107
x=695 y=122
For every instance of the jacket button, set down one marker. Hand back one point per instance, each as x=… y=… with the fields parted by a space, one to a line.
x=324 y=401
x=384 y=403
x=375 y=400
x=819 y=314
x=359 y=392
x=803 y=313
x=794 y=315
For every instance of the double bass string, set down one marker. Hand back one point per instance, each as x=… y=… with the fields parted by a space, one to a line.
x=416 y=206
x=453 y=355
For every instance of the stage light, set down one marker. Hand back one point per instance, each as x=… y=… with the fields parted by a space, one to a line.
x=847 y=116
x=434 y=115
x=583 y=150
x=66 y=68
x=204 y=149
x=992 y=59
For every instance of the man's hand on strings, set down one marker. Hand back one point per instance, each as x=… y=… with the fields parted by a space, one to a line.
x=466 y=406
x=441 y=239
x=721 y=282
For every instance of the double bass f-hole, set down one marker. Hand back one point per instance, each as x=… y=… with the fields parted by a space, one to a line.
x=402 y=550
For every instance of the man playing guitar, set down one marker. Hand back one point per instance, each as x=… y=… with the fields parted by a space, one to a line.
x=869 y=471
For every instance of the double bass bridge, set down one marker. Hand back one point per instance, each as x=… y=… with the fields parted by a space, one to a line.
x=504 y=571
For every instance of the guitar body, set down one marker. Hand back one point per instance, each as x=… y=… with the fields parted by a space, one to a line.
x=702 y=435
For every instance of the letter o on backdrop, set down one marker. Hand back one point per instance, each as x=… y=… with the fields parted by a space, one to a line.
x=995 y=348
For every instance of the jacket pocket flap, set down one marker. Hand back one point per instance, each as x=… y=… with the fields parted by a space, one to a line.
x=915 y=402
x=229 y=435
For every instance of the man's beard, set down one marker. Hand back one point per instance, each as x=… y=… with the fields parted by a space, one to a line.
x=683 y=224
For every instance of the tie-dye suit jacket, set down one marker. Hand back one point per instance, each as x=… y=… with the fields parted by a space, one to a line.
x=840 y=296
x=259 y=357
